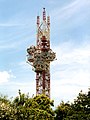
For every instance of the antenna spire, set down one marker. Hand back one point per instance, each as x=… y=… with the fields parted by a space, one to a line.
x=44 y=14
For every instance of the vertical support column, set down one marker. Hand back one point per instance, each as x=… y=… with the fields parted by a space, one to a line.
x=49 y=85
x=37 y=81
x=43 y=85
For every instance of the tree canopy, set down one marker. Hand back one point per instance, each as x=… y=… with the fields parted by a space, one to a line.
x=39 y=107
x=78 y=110
x=25 y=108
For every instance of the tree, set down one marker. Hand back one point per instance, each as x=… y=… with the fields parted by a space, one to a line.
x=79 y=110
x=62 y=110
x=5 y=108
x=25 y=108
x=37 y=108
x=44 y=109
x=40 y=108
x=81 y=106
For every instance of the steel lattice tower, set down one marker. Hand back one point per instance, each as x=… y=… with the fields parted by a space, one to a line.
x=41 y=55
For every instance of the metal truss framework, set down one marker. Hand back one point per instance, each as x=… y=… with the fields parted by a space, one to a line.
x=41 y=55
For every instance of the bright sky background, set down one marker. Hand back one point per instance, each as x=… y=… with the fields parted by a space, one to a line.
x=70 y=39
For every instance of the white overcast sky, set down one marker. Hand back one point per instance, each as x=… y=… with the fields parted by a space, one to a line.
x=70 y=39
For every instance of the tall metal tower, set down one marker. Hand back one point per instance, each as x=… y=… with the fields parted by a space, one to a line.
x=41 y=55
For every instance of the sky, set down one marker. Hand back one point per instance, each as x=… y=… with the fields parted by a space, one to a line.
x=69 y=37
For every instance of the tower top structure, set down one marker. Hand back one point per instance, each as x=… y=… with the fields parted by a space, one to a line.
x=41 y=55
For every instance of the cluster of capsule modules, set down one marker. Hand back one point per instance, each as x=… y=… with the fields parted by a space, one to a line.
x=38 y=61
x=42 y=60
x=30 y=55
x=40 y=65
x=49 y=56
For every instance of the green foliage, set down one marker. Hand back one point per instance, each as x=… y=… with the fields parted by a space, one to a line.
x=44 y=105
x=81 y=106
x=25 y=108
x=5 y=108
x=62 y=110
x=79 y=110
x=40 y=108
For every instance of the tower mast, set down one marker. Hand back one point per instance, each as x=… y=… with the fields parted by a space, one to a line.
x=41 y=55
